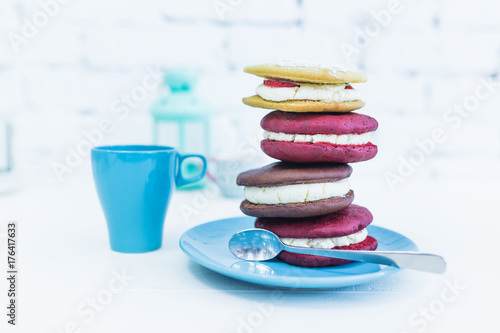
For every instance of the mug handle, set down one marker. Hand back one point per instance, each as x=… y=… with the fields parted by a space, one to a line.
x=180 y=180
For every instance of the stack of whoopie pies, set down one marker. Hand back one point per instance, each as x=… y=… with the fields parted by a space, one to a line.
x=306 y=198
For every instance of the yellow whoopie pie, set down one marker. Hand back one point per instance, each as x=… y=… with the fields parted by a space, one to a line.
x=300 y=86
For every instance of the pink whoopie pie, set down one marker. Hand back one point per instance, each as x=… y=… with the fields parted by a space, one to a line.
x=313 y=137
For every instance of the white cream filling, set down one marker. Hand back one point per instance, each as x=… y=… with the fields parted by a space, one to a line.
x=306 y=91
x=341 y=139
x=327 y=243
x=295 y=193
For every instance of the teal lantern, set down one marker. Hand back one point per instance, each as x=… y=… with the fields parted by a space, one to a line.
x=182 y=107
x=9 y=181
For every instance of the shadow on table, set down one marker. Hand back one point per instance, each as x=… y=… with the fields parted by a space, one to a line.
x=400 y=284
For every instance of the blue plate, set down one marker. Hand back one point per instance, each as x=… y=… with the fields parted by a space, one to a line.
x=207 y=244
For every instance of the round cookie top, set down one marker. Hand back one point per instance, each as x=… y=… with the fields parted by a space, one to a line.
x=281 y=173
x=305 y=71
x=314 y=123
x=347 y=221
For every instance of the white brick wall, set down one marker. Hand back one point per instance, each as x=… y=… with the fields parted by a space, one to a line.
x=463 y=16
x=429 y=56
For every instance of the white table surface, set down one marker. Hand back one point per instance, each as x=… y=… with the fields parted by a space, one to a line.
x=65 y=261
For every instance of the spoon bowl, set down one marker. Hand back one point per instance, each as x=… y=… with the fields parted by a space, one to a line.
x=255 y=244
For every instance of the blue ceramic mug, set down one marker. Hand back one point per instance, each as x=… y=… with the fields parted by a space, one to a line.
x=135 y=184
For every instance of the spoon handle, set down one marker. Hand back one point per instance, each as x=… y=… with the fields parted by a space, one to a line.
x=402 y=259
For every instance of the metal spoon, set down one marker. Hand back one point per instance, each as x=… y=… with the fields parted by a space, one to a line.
x=260 y=244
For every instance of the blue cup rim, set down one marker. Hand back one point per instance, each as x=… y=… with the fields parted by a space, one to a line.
x=140 y=149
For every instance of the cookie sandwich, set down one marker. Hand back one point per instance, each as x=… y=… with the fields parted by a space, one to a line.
x=342 y=230
x=299 y=86
x=312 y=138
x=292 y=190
